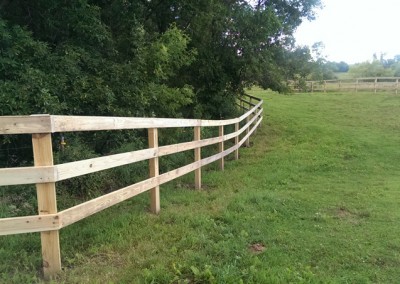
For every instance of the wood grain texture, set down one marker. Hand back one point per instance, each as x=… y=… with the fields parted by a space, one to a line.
x=29 y=224
x=27 y=175
x=58 y=123
x=221 y=162
x=25 y=124
x=197 y=157
x=78 y=168
x=47 y=204
x=236 y=141
x=154 y=172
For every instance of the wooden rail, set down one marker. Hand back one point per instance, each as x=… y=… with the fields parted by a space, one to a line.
x=45 y=175
x=370 y=84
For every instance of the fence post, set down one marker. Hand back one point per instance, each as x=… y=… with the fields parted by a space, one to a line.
x=221 y=147
x=247 y=132
x=339 y=85
x=356 y=85
x=197 y=157
x=47 y=204
x=312 y=86
x=324 y=86
x=397 y=85
x=375 y=82
x=154 y=171
x=237 y=141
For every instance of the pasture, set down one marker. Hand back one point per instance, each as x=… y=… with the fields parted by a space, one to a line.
x=315 y=199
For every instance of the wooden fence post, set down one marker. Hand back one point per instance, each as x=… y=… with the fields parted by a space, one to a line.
x=197 y=157
x=312 y=86
x=397 y=85
x=324 y=86
x=247 y=132
x=237 y=141
x=154 y=171
x=221 y=147
x=356 y=85
x=47 y=204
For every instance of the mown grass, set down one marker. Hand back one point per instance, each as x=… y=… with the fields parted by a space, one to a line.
x=314 y=200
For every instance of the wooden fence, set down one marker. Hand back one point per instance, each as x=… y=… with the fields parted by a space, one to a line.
x=45 y=174
x=374 y=84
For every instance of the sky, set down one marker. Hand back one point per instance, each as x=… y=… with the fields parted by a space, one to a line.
x=353 y=30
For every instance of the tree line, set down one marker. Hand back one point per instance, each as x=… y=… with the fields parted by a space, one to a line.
x=164 y=58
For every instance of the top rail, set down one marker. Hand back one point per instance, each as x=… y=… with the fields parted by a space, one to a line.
x=60 y=123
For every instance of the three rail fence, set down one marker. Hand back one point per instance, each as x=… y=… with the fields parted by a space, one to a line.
x=370 y=84
x=45 y=174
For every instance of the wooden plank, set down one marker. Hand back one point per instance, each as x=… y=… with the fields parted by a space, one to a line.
x=247 y=132
x=29 y=224
x=185 y=146
x=252 y=97
x=47 y=204
x=247 y=102
x=55 y=123
x=154 y=172
x=237 y=141
x=79 y=168
x=27 y=175
x=50 y=124
x=197 y=157
x=93 y=123
x=221 y=162
x=25 y=124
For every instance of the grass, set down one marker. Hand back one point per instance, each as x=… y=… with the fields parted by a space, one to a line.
x=314 y=200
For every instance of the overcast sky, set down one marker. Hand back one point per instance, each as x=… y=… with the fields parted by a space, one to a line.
x=353 y=30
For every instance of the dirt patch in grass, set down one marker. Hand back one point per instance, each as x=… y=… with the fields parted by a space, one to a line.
x=257 y=248
x=345 y=214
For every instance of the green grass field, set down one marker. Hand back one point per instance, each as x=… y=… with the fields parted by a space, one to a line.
x=314 y=200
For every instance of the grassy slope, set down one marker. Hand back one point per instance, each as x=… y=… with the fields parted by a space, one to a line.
x=318 y=190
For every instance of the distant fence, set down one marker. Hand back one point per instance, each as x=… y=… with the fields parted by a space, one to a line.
x=45 y=174
x=375 y=84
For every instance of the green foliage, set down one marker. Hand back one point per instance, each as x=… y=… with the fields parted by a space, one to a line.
x=370 y=69
x=304 y=63
x=381 y=67
x=117 y=58
x=341 y=67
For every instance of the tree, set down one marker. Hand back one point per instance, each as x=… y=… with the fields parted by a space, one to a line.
x=376 y=68
x=342 y=67
x=175 y=58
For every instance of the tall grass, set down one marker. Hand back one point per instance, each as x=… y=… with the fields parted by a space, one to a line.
x=314 y=200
